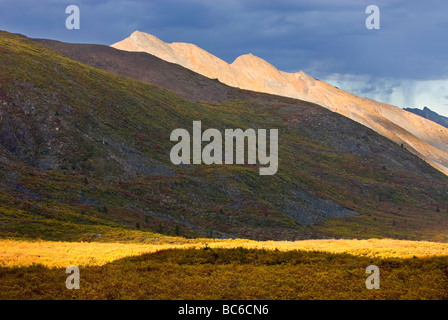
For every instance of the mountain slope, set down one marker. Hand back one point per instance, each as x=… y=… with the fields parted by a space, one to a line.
x=422 y=137
x=145 y=67
x=430 y=115
x=84 y=155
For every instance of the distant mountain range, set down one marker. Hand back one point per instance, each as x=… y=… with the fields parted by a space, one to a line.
x=430 y=115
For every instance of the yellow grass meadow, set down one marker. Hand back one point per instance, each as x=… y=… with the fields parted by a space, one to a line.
x=63 y=254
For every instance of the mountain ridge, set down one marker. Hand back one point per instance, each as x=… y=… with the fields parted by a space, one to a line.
x=423 y=137
x=430 y=115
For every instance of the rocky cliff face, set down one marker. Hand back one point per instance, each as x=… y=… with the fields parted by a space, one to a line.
x=421 y=136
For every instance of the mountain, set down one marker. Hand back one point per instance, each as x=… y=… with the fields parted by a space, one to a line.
x=430 y=115
x=85 y=155
x=420 y=136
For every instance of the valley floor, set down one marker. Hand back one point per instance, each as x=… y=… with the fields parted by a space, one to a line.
x=224 y=269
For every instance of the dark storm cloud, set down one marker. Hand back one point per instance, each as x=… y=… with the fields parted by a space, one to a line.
x=320 y=37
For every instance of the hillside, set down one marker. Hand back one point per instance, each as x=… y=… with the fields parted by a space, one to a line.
x=430 y=115
x=424 y=138
x=147 y=68
x=84 y=155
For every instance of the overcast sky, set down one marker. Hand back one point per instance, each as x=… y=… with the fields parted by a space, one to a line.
x=403 y=63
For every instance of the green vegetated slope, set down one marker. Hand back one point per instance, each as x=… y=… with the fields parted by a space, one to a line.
x=84 y=155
